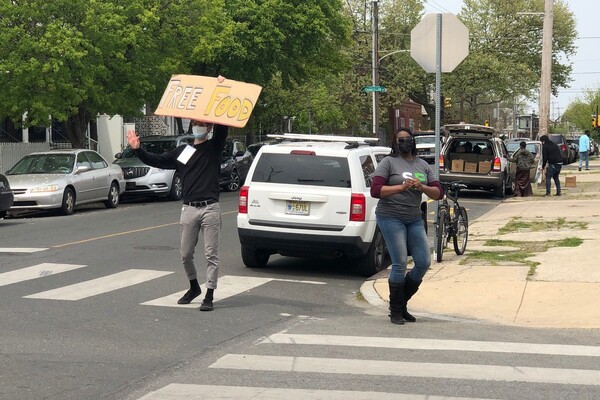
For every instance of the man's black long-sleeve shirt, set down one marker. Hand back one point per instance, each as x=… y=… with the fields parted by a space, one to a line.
x=551 y=153
x=200 y=175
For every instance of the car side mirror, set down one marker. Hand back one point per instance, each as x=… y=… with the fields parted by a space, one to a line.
x=240 y=153
x=118 y=155
x=82 y=168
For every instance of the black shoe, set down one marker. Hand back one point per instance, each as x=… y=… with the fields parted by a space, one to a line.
x=580 y=168
x=207 y=305
x=547 y=194
x=189 y=296
x=557 y=194
x=587 y=169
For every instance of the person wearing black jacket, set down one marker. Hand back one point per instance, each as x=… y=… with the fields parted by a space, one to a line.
x=199 y=166
x=551 y=163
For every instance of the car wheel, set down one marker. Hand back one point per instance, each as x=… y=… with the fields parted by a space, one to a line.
x=113 y=196
x=68 y=202
x=176 y=188
x=254 y=258
x=513 y=186
x=376 y=258
x=234 y=181
x=500 y=190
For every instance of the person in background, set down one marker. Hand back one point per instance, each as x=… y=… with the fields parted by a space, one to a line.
x=525 y=161
x=584 y=150
x=551 y=163
x=398 y=183
x=200 y=167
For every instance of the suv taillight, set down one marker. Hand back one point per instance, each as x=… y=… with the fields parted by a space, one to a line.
x=441 y=161
x=497 y=164
x=563 y=147
x=358 y=206
x=243 y=200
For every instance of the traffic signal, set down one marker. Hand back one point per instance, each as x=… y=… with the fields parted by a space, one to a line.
x=487 y=123
x=447 y=102
x=594 y=121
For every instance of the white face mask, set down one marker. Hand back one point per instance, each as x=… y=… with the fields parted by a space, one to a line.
x=199 y=132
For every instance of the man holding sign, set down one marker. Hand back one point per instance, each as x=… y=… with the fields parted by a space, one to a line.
x=199 y=166
x=212 y=104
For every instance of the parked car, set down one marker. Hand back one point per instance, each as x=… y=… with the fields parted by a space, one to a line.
x=426 y=147
x=475 y=155
x=573 y=149
x=6 y=196
x=255 y=147
x=142 y=179
x=235 y=164
x=309 y=196
x=64 y=179
x=535 y=148
x=563 y=145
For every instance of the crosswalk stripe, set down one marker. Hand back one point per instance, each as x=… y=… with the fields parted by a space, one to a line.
x=228 y=286
x=177 y=391
x=434 y=344
x=98 y=286
x=22 y=249
x=252 y=362
x=34 y=272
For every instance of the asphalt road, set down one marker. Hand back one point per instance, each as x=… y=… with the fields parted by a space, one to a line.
x=70 y=332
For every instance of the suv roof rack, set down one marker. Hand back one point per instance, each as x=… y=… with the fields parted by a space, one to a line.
x=353 y=141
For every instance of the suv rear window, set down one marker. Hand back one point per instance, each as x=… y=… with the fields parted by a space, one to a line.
x=300 y=169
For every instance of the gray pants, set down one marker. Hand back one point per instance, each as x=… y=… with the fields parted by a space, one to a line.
x=208 y=220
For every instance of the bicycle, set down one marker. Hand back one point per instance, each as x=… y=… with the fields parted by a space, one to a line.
x=453 y=224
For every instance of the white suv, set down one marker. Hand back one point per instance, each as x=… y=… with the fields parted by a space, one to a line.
x=309 y=196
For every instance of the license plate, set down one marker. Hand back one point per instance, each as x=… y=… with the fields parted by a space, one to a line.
x=129 y=185
x=297 y=207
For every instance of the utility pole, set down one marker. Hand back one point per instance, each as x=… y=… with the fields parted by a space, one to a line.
x=545 y=84
x=375 y=62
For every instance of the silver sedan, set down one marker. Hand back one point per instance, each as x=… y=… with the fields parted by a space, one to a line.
x=63 y=179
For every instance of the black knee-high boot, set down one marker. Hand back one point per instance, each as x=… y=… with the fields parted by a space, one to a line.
x=410 y=288
x=396 y=301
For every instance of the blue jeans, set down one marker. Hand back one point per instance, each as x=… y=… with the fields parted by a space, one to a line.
x=552 y=172
x=584 y=155
x=399 y=237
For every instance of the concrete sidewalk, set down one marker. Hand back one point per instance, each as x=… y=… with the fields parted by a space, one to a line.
x=562 y=292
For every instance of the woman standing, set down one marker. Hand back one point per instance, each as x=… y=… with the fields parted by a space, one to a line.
x=525 y=161
x=399 y=181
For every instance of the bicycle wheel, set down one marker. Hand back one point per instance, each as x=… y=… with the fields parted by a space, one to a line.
x=442 y=233
x=461 y=231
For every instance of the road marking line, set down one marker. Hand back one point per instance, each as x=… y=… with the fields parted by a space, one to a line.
x=34 y=272
x=252 y=362
x=175 y=391
x=22 y=249
x=434 y=344
x=228 y=286
x=98 y=286
x=127 y=232
x=115 y=234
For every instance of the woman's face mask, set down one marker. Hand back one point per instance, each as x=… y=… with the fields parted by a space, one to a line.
x=199 y=132
x=405 y=145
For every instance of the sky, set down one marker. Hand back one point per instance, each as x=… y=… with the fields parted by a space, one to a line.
x=586 y=61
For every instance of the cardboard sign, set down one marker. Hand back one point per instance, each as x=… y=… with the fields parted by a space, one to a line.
x=218 y=100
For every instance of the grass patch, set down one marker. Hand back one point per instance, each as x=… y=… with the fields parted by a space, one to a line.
x=525 y=250
x=518 y=225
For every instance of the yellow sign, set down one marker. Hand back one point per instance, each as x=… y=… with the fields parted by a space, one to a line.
x=217 y=100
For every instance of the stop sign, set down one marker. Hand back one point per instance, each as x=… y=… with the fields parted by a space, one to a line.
x=454 y=42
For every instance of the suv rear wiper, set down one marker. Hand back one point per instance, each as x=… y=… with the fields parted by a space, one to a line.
x=310 y=180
